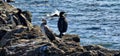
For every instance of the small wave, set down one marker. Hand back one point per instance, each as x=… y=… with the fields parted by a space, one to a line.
x=93 y=28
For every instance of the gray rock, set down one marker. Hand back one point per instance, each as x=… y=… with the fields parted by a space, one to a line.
x=2 y=33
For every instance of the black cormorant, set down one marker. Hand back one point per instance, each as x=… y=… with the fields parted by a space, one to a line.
x=62 y=24
x=46 y=30
x=14 y=20
x=2 y=20
x=21 y=17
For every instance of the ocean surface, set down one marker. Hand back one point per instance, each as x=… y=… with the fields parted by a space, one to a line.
x=95 y=21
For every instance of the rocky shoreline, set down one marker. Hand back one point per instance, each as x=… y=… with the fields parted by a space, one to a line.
x=29 y=41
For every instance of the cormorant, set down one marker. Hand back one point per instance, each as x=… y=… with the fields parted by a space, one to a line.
x=2 y=20
x=62 y=24
x=28 y=15
x=21 y=17
x=14 y=19
x=46 y=30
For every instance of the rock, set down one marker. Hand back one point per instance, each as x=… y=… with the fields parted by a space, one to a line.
x=76 y=54
x=94 y=47
x=8 y=36
x=20 y=29
x=3 y=52
x=76 y=39
x=89 y=53
x=47 y=50
x=118 y=54
x=100 y=53
x=29 y=36
x=36 y=30
x=2 y=33
x=34 y=33
x=73 y=37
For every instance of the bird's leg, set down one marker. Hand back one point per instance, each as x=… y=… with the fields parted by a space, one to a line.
x=61 y=34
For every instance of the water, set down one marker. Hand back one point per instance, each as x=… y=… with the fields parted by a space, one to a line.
x=96 y=21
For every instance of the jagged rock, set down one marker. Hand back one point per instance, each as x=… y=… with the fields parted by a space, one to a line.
x=73 y=37
x=94 y=47
x=29 y=36
x=34 y=33
x=36 y=30
x=100 y=53
x=89 y=53
x=3 y=52
x=117 y=54
x=2 y=33
x=20 y=29
x=49 y=50
x=8 y=36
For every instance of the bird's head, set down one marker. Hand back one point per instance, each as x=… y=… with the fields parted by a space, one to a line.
x=19 y=10
x=44 y=21
x=62 y=13
x=57 y=14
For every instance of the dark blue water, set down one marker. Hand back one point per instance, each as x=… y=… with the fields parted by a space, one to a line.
x=96 y=21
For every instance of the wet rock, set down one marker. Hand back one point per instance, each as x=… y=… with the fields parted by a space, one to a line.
x=94 y=47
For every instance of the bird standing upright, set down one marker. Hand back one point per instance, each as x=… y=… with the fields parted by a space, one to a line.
x=46 y=30
x=62 y=24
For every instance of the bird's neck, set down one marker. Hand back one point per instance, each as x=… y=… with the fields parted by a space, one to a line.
x=62 y=16
x=44 y=23
x=19 y=13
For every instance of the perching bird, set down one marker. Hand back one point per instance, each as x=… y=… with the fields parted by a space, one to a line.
x=2 y=21
x=21 y=17
x=46 y=30
x=14 y=20
x=62 y=24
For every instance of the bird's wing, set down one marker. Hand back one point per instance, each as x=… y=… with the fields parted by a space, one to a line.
x=66 y=25
x=49 y=33
x=60 y=24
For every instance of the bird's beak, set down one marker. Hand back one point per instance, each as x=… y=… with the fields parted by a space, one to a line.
x=54 y=15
